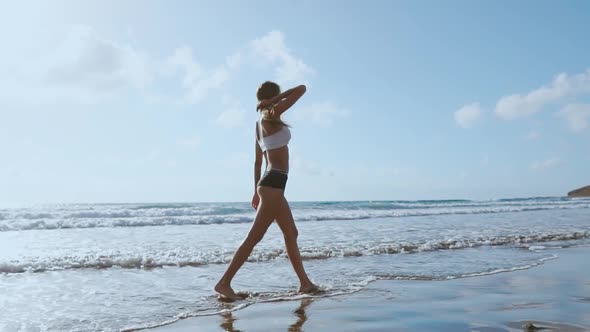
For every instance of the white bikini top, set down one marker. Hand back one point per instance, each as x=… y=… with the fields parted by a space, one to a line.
x=274 y=141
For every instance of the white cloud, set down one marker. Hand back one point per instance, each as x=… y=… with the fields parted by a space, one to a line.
x=533 y=135
x=197 y=81
x=183 y=59
x=468 y=115
x=321 y=114
x=84 y=67
x=235 y=60
x=546 y=164
x=577 y=116
x=273 y=50
x=215 y=80
x=89 y=60
x=88 y=67
x=518 y=105
x=563 y=89
x=231 y=118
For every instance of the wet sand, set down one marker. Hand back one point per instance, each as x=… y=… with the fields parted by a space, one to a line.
x=552 y=297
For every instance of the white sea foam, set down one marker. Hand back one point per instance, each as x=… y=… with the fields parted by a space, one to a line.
x=512 y=269
x=188 y=258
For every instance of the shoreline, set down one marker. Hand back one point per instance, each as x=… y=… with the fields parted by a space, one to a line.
x=554 y=296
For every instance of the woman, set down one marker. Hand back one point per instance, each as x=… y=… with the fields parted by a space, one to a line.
x=272 y=137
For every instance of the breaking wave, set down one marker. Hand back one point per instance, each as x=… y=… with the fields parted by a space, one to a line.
x=129 y=215
x=184 y=258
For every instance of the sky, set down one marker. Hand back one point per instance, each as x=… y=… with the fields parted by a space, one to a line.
x=154 y=101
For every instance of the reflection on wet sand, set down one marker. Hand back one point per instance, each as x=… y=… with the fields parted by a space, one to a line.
x=228 y=319
x=301 y=316
x=227 y=322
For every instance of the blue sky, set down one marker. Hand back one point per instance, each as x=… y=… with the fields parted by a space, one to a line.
x=140 y=101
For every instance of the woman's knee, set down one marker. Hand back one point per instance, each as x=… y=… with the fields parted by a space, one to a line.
x=253 y=238
x=291 y=233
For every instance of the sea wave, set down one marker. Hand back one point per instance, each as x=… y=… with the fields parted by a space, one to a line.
x=130 y=216
x=186 y=258
x=468 y=275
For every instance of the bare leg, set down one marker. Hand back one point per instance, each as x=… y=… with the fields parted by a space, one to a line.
x=266 y=213
x=287 y=225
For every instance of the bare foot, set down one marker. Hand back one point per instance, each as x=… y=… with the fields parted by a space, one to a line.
x=226 y=292
x=310 y=289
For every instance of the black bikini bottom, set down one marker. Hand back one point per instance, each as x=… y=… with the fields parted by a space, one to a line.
x=274 y=178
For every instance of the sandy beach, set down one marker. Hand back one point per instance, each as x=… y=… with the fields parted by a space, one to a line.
x=552 y=297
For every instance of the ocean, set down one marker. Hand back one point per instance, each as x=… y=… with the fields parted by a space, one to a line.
x=120 y=267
